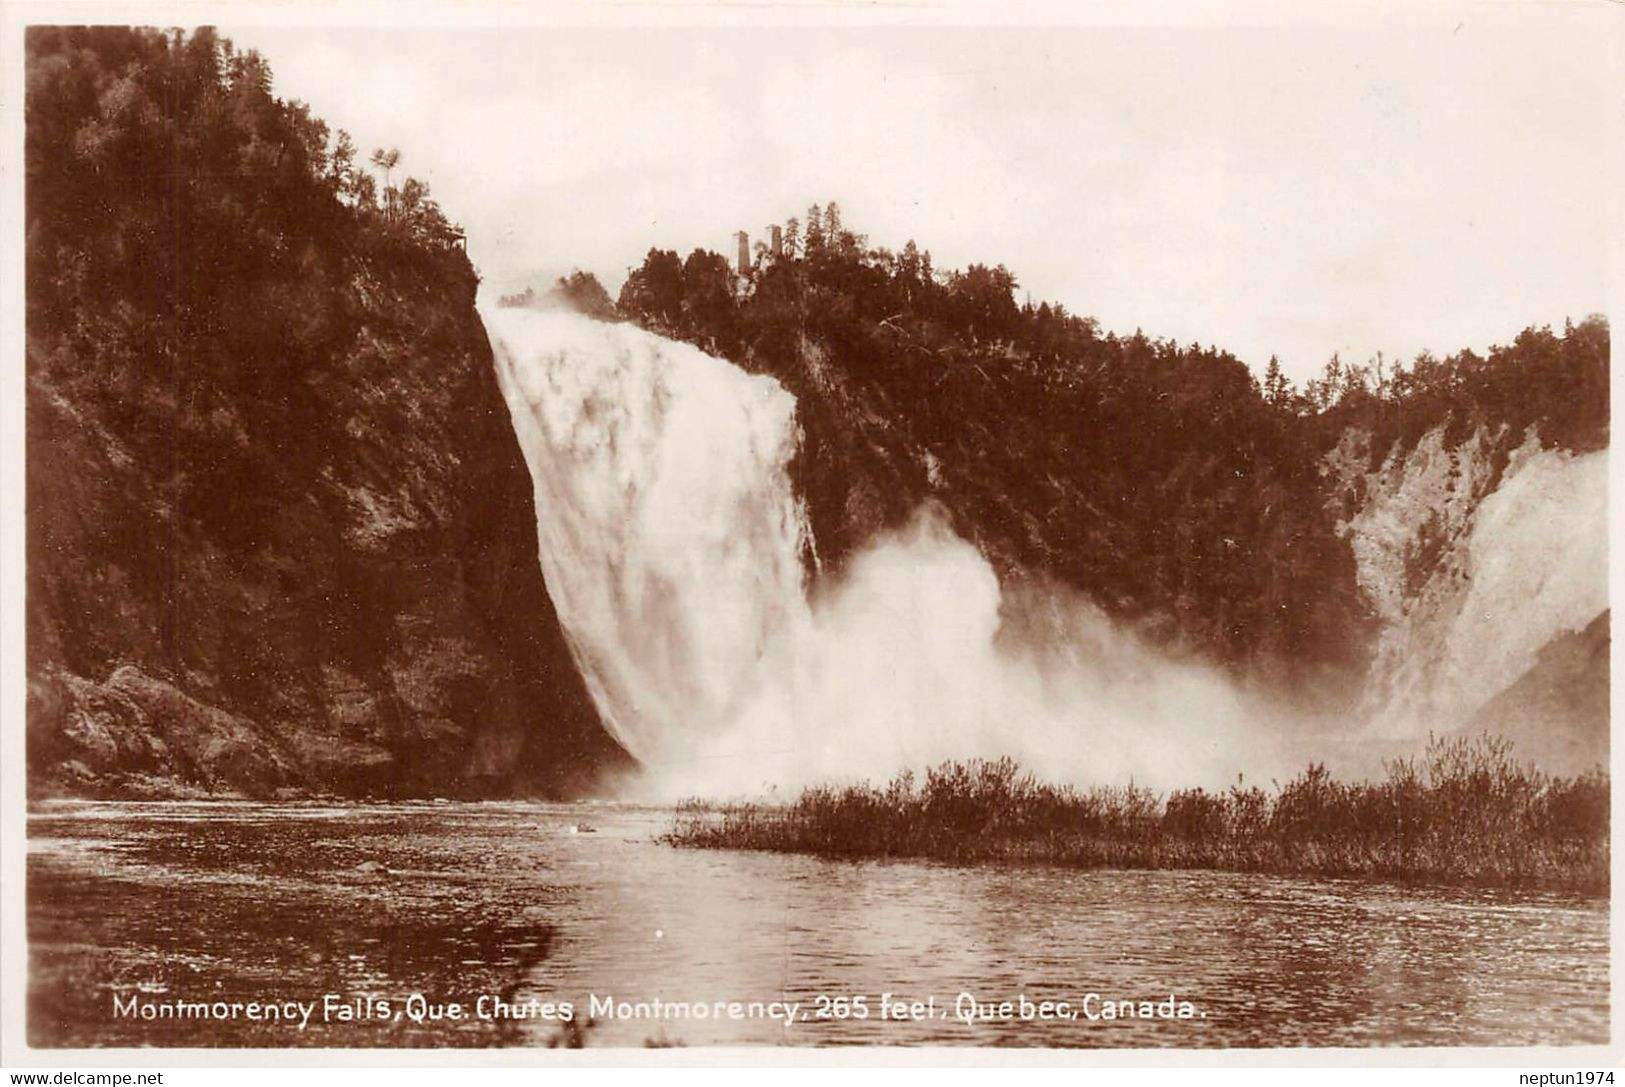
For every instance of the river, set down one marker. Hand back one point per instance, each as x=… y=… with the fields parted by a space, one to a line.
x=456 y=924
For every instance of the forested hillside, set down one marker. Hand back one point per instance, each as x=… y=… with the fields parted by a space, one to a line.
x=1166 y=481
x=280 y=535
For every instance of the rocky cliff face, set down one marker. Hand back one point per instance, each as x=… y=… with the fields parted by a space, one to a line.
x=1451 y=582
x=357 y=609
x=1485 y=562
x=1199 y=544
x=280 y=534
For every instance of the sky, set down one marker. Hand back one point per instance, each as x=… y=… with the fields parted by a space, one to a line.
x=1297 y=188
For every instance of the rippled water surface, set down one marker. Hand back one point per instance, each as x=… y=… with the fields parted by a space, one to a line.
x=406 y=915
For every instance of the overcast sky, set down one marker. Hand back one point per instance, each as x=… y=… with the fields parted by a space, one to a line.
x=1298 y=190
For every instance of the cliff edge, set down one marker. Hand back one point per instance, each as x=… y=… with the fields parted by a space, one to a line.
x=281 y=539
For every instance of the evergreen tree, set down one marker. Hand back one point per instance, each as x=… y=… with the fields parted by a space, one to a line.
x=654 y=291
x=1277 y=390
x=908 y=265
x=815 y=230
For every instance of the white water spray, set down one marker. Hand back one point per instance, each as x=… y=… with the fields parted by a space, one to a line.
x=672 y=545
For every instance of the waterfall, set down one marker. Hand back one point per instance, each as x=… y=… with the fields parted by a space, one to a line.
x=672 y=542
x=669 y=534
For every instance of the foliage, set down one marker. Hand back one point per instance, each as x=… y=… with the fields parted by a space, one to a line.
x=268 y=461
x=1468 y=813
x=579 y=291
x=194 y=250
x=1164 y=481
x=1556 y=386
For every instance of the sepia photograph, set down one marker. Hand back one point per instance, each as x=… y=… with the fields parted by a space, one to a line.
x=766 y=528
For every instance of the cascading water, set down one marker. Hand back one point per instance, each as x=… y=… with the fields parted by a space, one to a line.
x=672 y=544
x=669 y=535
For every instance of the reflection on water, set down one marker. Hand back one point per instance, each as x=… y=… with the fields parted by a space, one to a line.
x=138 y=906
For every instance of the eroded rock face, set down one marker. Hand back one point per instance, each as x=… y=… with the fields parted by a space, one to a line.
x=334 y=590
x=1486 y=564
x=280 y=535
x=138 y=732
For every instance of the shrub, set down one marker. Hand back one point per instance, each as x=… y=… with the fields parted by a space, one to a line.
x=1470 y=814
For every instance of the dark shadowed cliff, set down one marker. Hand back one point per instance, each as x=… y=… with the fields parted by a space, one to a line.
x=280 y=535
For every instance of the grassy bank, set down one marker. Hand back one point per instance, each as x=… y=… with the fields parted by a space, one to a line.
x=1466 y=812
